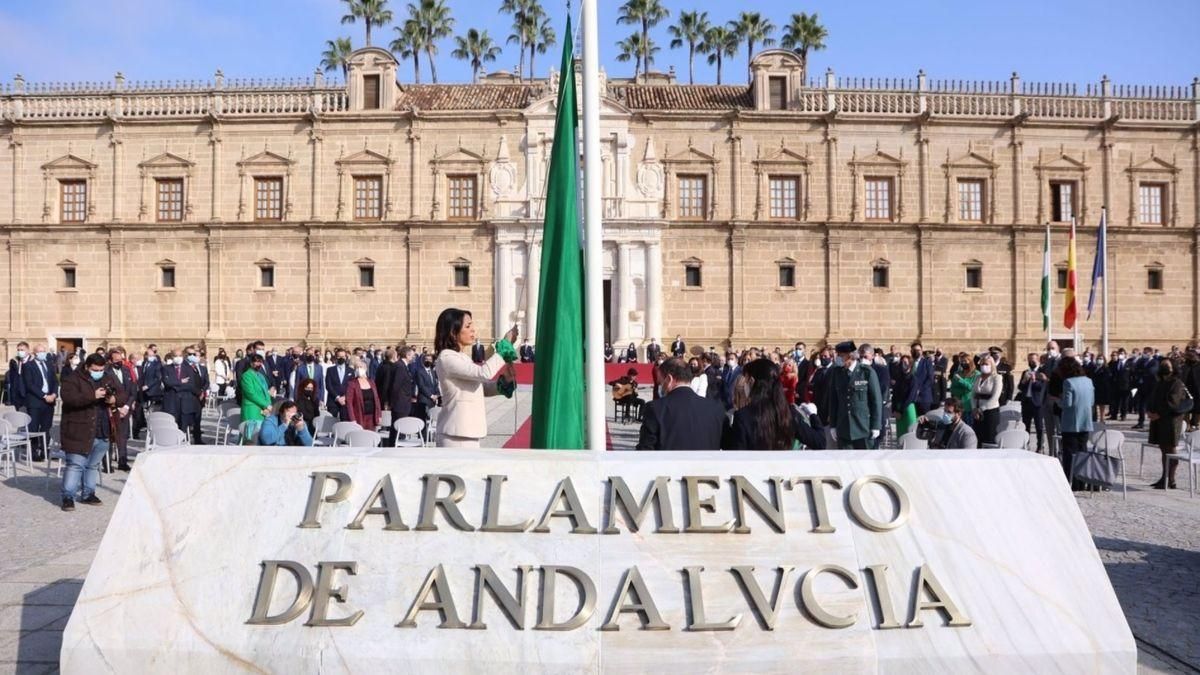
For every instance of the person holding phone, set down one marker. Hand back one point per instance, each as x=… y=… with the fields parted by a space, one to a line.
x=464 y=383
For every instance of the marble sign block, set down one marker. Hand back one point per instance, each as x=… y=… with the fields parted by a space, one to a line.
x=446 y=561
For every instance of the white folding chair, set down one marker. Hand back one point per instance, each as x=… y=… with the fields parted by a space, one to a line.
x=431 y=427
x=323 y=429
x=910 y=441
x=1109 y=443
x=169 y=438
x=1190 y=457
x=21 y=436
x=340 y=430
x=406 y=427
x=385 y=421
x=8 y=464
x=361 y=438
x=1013 y=439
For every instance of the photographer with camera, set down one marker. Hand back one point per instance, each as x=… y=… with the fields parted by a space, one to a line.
x=947 y=430
x=91 y=399
x=285 y=428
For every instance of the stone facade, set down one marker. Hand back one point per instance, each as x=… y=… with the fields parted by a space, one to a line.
x=832 y=140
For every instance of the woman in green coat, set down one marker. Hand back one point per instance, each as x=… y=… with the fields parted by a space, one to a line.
x=256 y=398
x=962 y=386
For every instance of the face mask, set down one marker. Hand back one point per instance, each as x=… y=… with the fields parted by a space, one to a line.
x=341 y=361
x=177 y=360
x=837 y=360
x=21 y=354
x=261 y=353
x=947 y=419
x=309 y=390
x=151 y=358
x=850 y=365
x=74 y=363
x=308 y=359
x=40 y=356
x=985 y=369
x=731 y=363
x=361 y=372
x=96 y=374
x=193 y=359
x=428 y=364
x=1052 y=353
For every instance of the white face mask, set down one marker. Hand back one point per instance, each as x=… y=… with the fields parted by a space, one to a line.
x=985 y=369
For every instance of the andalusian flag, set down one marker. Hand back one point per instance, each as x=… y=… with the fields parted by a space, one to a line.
x=558 y=379
x=1069 y=311
x=1046 y=281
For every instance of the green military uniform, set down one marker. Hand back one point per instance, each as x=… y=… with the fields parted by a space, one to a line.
x=854 y=405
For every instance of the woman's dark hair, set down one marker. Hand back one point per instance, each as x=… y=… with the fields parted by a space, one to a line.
x=95 y=360
x=284 y=405
x=449 y=324
x=255 y=357
x=767 y=406
x=303 y=384
x=1070 y=368
x=1166 y=368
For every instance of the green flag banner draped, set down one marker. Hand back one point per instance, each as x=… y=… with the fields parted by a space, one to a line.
x=558 y=378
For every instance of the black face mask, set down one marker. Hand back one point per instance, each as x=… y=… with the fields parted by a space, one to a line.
x=309 y=358
x=341 y=361
x=428 y=364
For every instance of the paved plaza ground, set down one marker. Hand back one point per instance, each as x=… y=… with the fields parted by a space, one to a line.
x=1150 y=544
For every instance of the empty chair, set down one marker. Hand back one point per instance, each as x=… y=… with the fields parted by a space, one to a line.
x=169 y=438
x=8 y=466
x=340 y=430
x=1190 y=456
x=910 y=441
x=323 y=429
x=159 y=415
x=20 y=434
x=406 y=427
x=232 y=419
x=247 y=432
x=1013 y=439
x=361 y=438
x=431 y=426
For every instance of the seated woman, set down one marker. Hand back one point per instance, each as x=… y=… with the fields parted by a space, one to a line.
x=767 y=422
x=362 y=399
x=286 y=428
x=625 y=392
x=308 y=403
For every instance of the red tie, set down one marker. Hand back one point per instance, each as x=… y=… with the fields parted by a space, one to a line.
x=179 y=372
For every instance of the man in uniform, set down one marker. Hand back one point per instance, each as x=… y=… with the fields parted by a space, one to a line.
x=855 y=403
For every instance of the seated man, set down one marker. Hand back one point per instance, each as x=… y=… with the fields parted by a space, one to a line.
x=285 y=428
x=949 y=432
x=624 y=392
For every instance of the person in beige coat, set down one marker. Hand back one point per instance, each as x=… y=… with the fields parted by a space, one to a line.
x=464 y=383
x=986 y=406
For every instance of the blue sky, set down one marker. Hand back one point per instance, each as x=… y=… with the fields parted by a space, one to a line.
x=1142 y=42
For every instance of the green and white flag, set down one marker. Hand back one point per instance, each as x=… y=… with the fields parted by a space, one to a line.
x=1046 y=281
x=558 y=379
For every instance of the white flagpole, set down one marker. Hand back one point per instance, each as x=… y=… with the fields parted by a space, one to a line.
x=594 y=245
x=1051 y=287
x=1104 y=282
x=1074 y=244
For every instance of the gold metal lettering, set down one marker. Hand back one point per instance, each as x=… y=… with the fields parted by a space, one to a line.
x=699 y=621
x=266 y=590
x=430 y=502
x=854 y=498
x=809 y=601
x=587 y=598
x=619 y=494
x=512 y=606
x=769 y=510
x=645 y=608
x=883 y=595
x=491 y=519
x=574 y=510
x=816 y=495
x=390 y=509
x=939 y=600
x=435 y=582
x=767 y=614
x=315 y=490
x=325 y=591
x=696 y=505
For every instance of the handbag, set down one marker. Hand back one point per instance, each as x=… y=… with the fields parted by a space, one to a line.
x=1095 y=468
x=1185 y=406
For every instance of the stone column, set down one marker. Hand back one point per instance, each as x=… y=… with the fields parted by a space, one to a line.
x=502 y=288
x=214 y=141
x=654 y=291
x=14 y=144
x=116 y=295
x=316 y=137
x=16 y=285
x=316 y=248
x=533 y=279
x=414 y=147
x=624 y=292
x=216 y=308
x=925 y=249
x=834 y=285
x=737 y=283
x=923 y=175
x=115 y=140
x=735 y=171
x=415 y=279
x=1018 y=144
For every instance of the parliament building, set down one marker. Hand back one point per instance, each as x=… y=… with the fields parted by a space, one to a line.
x=309 y=212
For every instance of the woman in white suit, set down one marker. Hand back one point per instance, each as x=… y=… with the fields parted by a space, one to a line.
x=464 y=383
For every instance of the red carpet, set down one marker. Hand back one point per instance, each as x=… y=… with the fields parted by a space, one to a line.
x=521 y=439
x=611 y=372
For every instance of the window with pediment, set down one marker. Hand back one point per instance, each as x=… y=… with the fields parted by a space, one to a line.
x=1062 y=187
x=782 y=193
x=459 y=183
x=68 y=194
x=690 y=178
x=1153 y=192
x=970 y=197
x=878 y=187
x=265 y=187
x=165 y=179
x=364 y=180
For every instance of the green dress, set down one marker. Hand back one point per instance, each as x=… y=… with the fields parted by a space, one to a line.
x=255 y=396
x=963 y=389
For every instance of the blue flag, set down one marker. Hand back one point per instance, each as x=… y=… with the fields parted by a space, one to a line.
x=1098 y=263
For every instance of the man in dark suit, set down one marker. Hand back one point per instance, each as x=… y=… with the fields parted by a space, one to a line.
x=478 y=354
x=869 y=356
x=14 y=385
x=920 y=393
x=337 y=378
x=1050 y=419
x=119 y=370
x=384 y=376
x=678 y=348
x=681 y=420
x=41 y=393
x=1145 y=375
x=1118 y=372
x=429 y=392
x=308 y=369
x=402 y=393
x=181 y=393
x=652 y=351
x=526 y=352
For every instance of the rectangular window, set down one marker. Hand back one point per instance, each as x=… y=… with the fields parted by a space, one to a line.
x=368 y=197
x=366 y=276
x=778 y=93
x=68 y=277
x=268 y=198
x=168 y=277
x=691 y=276
x=785 y=195
x=879 y=198
x=879 y=276
x=370 y=92
x=974 y=276
x=1061 y=278
x=787 y=276
x=266 y=276
x=72 y=200
x=970 y=200
x=1154 y=279
x=170 y=199
x=462 y=276
x=462 y=197
x=1062 y=201
x=1151 y=204
x=693 y=197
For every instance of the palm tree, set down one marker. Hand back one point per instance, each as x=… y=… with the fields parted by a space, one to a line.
x=526 y=14
x=337 y=55
x=543 y=38
x=477 y=47
x=372 y=12
x=433 y=17
x=690 y=28
x=409 y=43
x=803 y=33
x=631 y=50
x=752 y=27
x=719 y=42
x=647 y=13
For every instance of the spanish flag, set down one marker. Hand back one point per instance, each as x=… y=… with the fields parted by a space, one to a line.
x=1069 y=313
